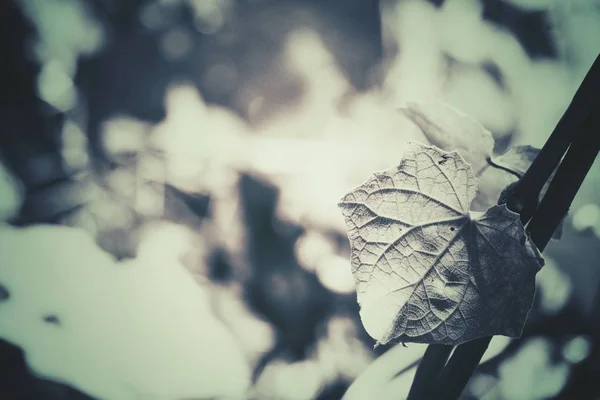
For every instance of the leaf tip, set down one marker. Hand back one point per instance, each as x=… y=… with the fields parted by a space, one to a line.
x=378 y=344
x=341 y=204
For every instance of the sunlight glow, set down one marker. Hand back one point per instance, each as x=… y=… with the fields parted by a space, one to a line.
x=123 y=135
x=577 y=349
x=144 y=326
x=56 y=87
x=11 y=194
x=74 y=146
x=587 y=217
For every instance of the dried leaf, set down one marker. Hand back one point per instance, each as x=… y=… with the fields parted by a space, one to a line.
x=502 y=173
x=428 y=270
x=515 y=161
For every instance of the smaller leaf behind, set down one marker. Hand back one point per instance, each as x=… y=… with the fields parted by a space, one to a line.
x=451 y=130
x=516 y=161
x=500 y=172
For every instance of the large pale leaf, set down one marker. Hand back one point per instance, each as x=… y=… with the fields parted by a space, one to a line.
x=428 y=270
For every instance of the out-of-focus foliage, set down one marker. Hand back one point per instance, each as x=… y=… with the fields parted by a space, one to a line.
x=142 y=328
x=231 y=128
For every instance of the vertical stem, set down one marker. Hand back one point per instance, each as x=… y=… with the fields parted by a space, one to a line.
x=527 y=190
x=429 y=368
x=567 y=181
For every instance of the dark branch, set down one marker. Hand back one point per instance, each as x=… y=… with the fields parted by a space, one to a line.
x=579 y=132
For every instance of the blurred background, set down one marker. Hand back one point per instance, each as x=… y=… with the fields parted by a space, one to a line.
x=209 y=141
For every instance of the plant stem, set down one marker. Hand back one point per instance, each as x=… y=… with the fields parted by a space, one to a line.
x=429 y=368
x=527 y=190
x=567 y=181
x=582 y=120
x=453 y=379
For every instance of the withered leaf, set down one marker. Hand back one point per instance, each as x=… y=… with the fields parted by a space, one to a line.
x=501 y=173
x=517 y=159
x=504 y=172
x=427 y=269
